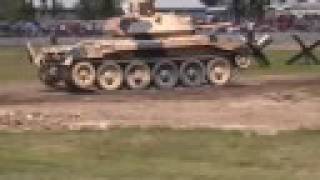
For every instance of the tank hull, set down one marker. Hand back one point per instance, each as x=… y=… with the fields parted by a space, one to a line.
x=90 y=64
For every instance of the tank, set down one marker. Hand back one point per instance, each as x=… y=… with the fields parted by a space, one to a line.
x=144 y=48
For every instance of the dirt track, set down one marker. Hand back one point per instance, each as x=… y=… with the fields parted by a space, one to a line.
x=264 y=105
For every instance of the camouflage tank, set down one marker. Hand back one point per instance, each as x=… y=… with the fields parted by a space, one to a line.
x=146 y=48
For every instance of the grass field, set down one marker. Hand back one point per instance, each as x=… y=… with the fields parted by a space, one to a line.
x=159 y=154
x=278 y=60
x=14 y=65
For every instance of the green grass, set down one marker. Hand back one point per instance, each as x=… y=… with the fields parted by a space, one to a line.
x=278 y=60
x=14 y=65
x=159 y=155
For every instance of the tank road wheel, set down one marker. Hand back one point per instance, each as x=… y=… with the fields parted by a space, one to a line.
x=166 y=75
x=83 y=75
x=192 y=73
x=110 y=76
x=138 y=75
x=243 y=62
x=48 y=76
x=219 y=71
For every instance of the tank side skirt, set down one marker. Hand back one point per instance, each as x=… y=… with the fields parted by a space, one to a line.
x=176 y=54
x=202 y=53
x=152 y=60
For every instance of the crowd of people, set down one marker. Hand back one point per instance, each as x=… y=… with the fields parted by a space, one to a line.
x=79 y=28
x=292 y=23
x=61 y=28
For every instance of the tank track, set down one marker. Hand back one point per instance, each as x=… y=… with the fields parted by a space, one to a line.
x=143 y=73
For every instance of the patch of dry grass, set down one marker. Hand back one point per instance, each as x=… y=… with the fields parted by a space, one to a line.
x=159 y=154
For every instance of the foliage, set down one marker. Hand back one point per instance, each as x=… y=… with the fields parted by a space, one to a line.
x=107 y=8
x=210 y=2
x=56 y=7
x=250 y=9
x=98 y=9
x=12 y=10
x=257 y=8
x=27 y=11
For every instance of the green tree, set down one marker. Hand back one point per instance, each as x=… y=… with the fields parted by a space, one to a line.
x=209 y=2
x=253 y=9
x=96 y=9
x=85 y=9
x=12 y=10
x=54 y=8
x=107 y=8
x=257 y=8
x=249 y=9
x=26 y=11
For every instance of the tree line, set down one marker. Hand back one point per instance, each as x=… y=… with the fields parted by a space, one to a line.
x=99 y=9
x=13 y=10
x=248 y=9
x=16 y=10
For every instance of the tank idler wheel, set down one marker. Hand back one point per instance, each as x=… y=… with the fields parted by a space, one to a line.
x=48 y=76
x=192 y=73
x=138 y=75
x=219 y=71
x=166 y=75
x=83 y=75
x=110 y=76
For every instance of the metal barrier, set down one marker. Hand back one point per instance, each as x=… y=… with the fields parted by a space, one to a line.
x=257 y=46
x=306 y=52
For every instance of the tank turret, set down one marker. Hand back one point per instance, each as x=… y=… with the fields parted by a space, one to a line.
x=140 y=18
